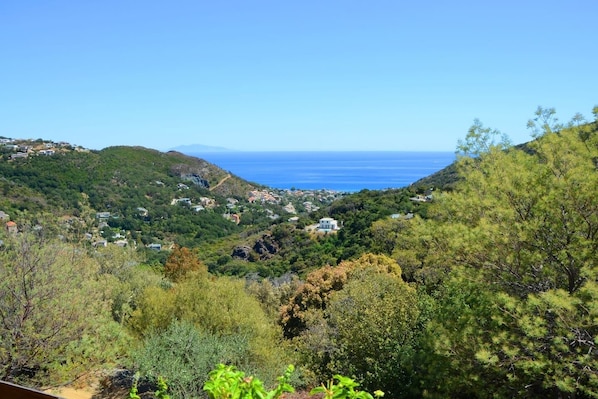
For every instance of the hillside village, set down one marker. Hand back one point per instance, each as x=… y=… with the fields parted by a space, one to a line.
x=23 y=148
x=190 y=192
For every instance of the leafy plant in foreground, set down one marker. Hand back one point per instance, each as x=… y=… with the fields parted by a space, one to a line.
x=161 y=392
x=344 y=389
x=226 y=382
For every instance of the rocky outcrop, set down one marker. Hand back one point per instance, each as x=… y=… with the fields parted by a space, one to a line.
x=242 y=252
x=198 y=174
x=196 y=179
x=266 y=247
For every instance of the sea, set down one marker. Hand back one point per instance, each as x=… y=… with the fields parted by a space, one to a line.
x=343 y=171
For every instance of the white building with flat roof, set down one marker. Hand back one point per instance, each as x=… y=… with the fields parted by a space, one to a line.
x=328 y=224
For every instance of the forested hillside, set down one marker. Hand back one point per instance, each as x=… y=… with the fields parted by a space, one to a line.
x=133 y=186
x=486 y=290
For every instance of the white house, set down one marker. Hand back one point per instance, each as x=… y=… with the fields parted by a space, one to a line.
x=327 y=224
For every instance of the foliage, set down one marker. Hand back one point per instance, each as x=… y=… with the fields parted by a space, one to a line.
x=426 y=248
x=481 y=140
x=125 y=276
x=545 y=122
x=530 y=220
x=548 y=341
x=181 y=262
x=54 y=313
x=368 y=329
x=373 y=325
x=184 y=355
x=218 y=306
x=320 y=284
x=461 y=324
x=358 y=318
x=272 y=293
x=504 y=346
x=226 y=382
x=121 y=180
x=344 y=388
x=519 y=235
x=161 y=392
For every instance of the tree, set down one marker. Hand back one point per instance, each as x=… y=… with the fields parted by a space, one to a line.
x=121 y=272
x=359 y=318
x=180 y=262
x=532 y=219
x=486 y=344
x=454 y=362
x=544 y=122
x=481 y=140
x=272 y=293
x=520 y=233
x=385 y=233
x=548 y=341
x=55 y=320
x=320 y=284
x=373 y=325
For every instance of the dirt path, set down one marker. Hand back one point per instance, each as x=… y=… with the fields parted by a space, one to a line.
x=220 y=182
x=72 y=393
x=90 y=393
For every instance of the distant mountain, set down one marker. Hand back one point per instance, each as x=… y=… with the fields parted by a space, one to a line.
x=195 y=148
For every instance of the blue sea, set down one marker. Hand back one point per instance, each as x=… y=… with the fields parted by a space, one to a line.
x=339 y=171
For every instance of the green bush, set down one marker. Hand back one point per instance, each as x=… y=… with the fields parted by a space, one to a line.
x=184 y=355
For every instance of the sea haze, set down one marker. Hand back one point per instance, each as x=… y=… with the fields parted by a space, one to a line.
x=349 y=171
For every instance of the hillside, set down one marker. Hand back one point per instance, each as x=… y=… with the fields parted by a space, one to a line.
x=135 y=195
x=446 y=178
x=155 y=196
x=143 y=197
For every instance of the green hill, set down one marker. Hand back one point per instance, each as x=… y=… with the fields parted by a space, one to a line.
x=154 y=195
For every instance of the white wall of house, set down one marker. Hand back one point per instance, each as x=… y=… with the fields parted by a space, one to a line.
x=328 y=224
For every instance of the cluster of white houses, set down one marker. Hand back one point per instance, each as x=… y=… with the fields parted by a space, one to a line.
x=24 y=148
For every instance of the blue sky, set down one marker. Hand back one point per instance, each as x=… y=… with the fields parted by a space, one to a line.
x=282 y=75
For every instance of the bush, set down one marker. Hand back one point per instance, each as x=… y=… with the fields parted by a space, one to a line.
x=184 y=356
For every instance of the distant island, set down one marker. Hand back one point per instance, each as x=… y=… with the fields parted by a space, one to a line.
x=194 y=148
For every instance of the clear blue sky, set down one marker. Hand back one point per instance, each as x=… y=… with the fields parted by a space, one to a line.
x=291 y=75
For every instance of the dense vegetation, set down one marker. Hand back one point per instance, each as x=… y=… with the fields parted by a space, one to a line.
x=121 y=180
x=489 y=291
